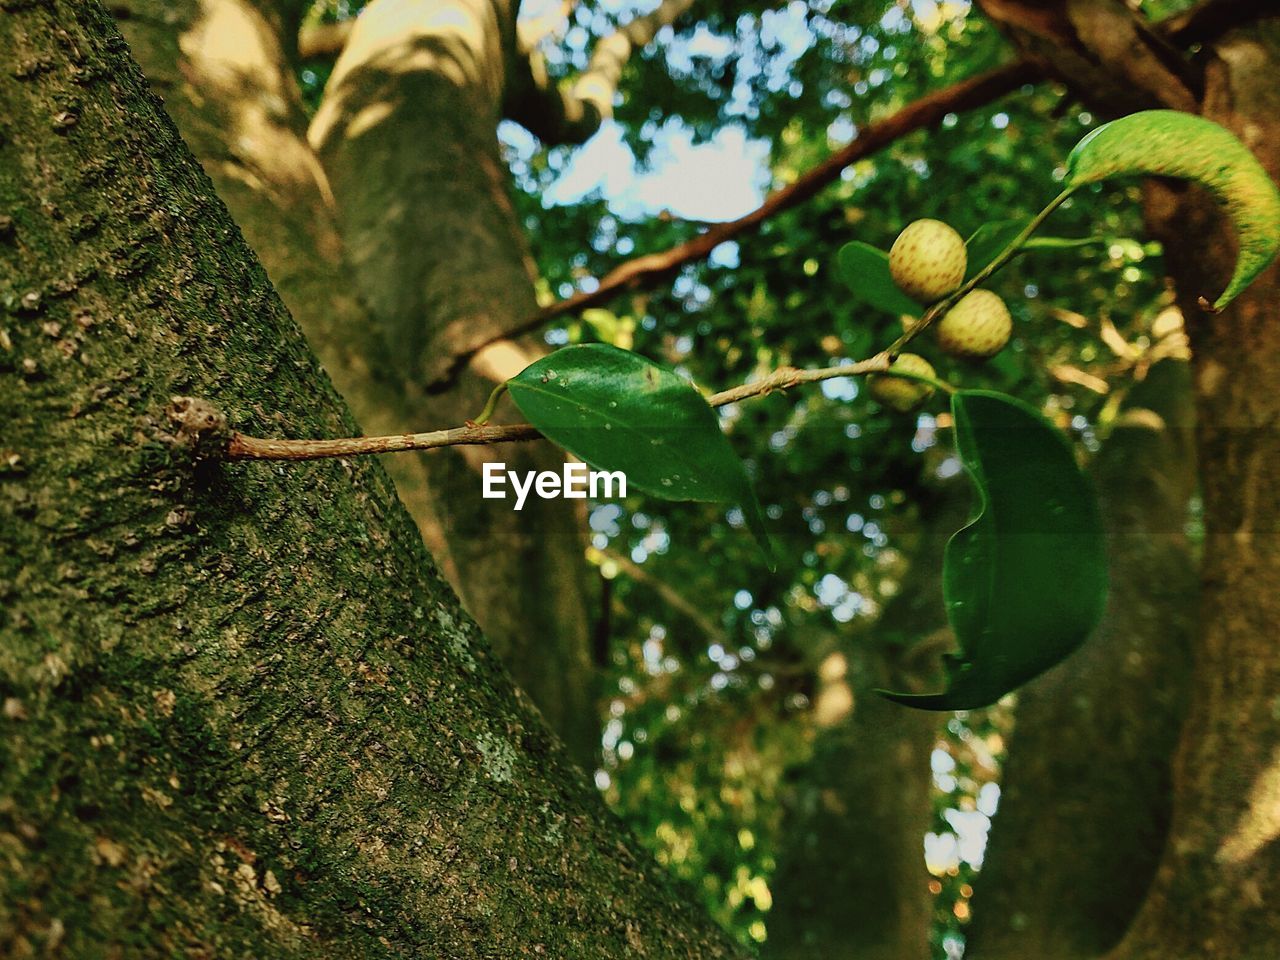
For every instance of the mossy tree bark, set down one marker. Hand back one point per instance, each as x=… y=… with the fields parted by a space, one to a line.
x=1086 y=792
x=242 y=713
x=1221 y=866
x=1215 y=892
x=223 y=67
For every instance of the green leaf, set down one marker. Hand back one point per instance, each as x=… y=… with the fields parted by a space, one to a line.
x=1061 y=243
x=990 y=239
x=616 y=410
x=865 y=271
x=1025 y=581
x=1170 y=143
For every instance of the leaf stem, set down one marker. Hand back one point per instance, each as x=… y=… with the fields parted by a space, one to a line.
x=490 y=405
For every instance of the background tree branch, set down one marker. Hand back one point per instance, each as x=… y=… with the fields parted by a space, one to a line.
x=572 y=113
x=650 y=269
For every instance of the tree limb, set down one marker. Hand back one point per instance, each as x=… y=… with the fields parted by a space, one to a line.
x=1112 y=57
x=672 y=597
x=650 y=268
x=570 y=115
x=530 y=33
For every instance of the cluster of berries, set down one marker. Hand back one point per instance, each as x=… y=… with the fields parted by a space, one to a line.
x=928 y=262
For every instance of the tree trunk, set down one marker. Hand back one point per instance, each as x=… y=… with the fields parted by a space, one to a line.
x=1221 y=867
x=1215 y=892
x=1086 y=791
x=407 y=132
x=851 y=881
x=223 y=69
x=242 y=715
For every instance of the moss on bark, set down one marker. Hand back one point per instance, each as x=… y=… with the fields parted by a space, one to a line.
x=222 y=68
x=243 y=716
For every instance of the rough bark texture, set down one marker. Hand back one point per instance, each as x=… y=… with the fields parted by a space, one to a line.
x=242 y=715
x=1221 y=867
x=851 y=881
x=1086 y=791
x=1217 y=887
x=1109 y=53
x=223 y=68
x=407 y=132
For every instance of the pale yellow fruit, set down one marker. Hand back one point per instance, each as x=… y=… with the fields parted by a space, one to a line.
x=976 y=328
x=928 y=260
x=897 y=393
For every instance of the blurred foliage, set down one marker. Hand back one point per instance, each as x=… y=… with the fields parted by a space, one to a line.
x=713 y=658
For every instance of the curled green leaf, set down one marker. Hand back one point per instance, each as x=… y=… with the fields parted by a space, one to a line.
x=1025 y=581
x=1170 y=143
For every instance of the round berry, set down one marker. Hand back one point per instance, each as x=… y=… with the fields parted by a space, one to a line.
x=897 y=393
x=928 y=260
x=977 y=327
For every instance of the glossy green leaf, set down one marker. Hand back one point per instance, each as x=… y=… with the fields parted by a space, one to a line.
x=616 y=410
x=1170 y=143
x=1026 y=579
x=865 y=270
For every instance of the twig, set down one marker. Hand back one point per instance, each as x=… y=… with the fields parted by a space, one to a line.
x=1003 y=257
x=242 y=447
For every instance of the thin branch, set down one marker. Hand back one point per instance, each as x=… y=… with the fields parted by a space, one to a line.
x=242 y=447
x=1201 y=23
x=1010 y=251
x=647 y=269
